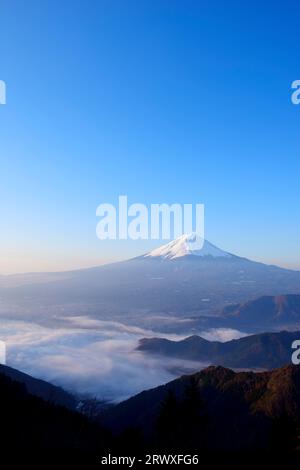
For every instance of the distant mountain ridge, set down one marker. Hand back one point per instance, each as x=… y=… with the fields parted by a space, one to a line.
x=176 y=279
x=261 y=351
x=280 y=309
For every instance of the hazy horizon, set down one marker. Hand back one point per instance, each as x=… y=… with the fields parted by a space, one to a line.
x=73 y=265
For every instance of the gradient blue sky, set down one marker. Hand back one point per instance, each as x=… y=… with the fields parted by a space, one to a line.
x=165 y=101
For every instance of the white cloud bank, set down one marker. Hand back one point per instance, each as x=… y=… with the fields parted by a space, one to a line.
x=95 y=357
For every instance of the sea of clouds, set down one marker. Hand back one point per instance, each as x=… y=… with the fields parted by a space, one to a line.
x=93 y=357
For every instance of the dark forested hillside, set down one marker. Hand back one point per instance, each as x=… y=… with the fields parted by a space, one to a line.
x=41 y=388
x=215 y=413
x=217 y=409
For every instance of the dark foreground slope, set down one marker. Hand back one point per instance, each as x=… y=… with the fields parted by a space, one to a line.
x=217 y=409
x=30 y=424
x=213 y=414
x=40 y=388
x=265 y=350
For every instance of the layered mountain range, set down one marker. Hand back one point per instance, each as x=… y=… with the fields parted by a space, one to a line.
x=188 y=278
x=261 y=351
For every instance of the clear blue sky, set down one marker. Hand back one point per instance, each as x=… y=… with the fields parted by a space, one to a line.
x=165 y=101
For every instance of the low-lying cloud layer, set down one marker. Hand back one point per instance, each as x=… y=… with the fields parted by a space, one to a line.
x=94 y=357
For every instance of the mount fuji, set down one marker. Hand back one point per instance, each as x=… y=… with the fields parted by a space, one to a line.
x=188 y=245
x=183 y=280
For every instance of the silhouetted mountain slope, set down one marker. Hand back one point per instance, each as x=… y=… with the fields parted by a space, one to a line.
x=30 y=423
x=239 y=410
x=40 y=388
x=266 y=350
x=214 y=410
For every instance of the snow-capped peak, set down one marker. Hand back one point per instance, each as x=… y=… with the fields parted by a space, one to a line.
x=187 y=245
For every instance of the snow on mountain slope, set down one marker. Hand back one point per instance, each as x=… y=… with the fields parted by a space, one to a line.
x=186 y=245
